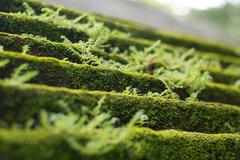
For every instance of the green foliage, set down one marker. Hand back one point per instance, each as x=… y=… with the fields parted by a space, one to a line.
x=29 y=11
x=86 y=58
x=25 y=49
x=3 y=63
x=19 y=75
x=1 y=48
x=178 y=70
x=237 y=83
x=96 y=128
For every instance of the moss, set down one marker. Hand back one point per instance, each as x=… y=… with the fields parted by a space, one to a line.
x=41 y=47
x=135 y=29
x=45 y=48
x=20 y=103
x=65 y=74
x=177 y=145
x=60 y=73
x=224 y=59
x=220 y=76
x=18 y=24
x=145 y=144
x=14 y=23
x=217 y=92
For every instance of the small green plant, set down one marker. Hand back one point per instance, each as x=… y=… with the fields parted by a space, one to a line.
x=20 y=74
x=29 y=11
x=1 y=48
x=3 y=62
x=131 y=91
x=237 y=83
x=25 y=49
x=96 y=130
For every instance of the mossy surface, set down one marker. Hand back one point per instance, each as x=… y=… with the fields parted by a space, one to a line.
x=135 y=29
x=15 y=23
x=64 y=74
x=146 y=144
x=85 y=88
x=60 y=73
x=163 y=114
x=45 y=48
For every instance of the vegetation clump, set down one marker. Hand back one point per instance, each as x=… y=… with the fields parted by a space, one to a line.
x=82 y=86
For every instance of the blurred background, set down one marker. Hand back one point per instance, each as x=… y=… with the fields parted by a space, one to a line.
x=211 y=19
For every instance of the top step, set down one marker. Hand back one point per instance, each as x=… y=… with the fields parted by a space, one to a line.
x=135 y=29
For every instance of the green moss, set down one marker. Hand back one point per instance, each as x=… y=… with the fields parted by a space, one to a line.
x=20 y=103
x=145 y=144
x=61 y=73
x=184 y=145
x=15 y=23
x=220 y=76
x=217 y=92
x=135 y=29
x=224 y=59
x=42 y=47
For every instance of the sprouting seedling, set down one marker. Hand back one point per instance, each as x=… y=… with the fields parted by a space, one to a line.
x=29 y=11
x=65 y=40
x=100 y=103
x=131 y=91
x=237 y=83
x=34 y=36
x=4 y=62
x=25 y=49
x=96 y=30
x=118 y=33
x=78 y=19
x=18 y=75
x=152 y=47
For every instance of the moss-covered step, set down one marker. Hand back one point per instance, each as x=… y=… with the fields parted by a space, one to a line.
x=61 y=73
x=135 y=29
x=16 y=23
x=221 y=76
x=20 y=24
x=43 y=47
x=20 y=103
x=140 y=143
x=218 y=92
